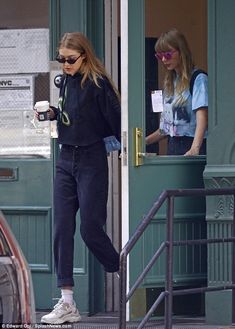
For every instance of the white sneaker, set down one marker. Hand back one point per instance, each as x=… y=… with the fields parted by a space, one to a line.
x=61 y=313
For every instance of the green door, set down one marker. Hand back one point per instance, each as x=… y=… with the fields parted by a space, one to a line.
x=26 y=159
x=27 y=155
x=26 y=203
x=141 y=184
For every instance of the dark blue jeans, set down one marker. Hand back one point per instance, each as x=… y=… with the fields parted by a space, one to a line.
x=180 y=145
x=81 y=183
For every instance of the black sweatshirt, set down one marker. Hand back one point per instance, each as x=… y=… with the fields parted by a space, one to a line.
x=94 y=112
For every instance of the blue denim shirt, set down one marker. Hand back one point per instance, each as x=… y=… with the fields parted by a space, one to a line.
x=179 y=111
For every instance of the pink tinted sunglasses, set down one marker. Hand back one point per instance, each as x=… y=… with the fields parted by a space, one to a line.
x=166 y=54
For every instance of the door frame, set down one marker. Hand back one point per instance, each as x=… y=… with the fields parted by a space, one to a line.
x=113 y=224
x=131 y=61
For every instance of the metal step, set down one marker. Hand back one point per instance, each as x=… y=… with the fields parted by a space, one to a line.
x=110 y=321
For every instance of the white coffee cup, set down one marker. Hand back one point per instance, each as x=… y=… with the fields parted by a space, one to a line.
x=42 y=108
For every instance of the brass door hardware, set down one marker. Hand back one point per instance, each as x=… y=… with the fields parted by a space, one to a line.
x=138 y=144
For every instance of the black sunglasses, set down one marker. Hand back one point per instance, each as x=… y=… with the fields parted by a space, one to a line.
x=69 y=60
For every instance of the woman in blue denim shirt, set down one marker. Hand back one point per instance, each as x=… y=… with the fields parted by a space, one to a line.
x=184 y=118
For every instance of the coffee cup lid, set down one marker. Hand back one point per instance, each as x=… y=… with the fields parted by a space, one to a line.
x=42 y=103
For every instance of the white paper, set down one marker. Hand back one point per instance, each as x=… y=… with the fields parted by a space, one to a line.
x=24 y=51
x=16 y=92
x=19 y=132
x=157 y=100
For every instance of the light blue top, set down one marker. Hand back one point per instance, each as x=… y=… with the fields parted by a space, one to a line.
x=179 y=111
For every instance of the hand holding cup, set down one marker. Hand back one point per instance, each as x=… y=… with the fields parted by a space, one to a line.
x=42 y=110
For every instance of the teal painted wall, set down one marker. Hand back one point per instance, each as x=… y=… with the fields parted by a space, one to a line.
x=220 y=168
x=86 y=16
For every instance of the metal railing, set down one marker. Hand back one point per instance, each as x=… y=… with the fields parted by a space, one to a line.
x=168 y=245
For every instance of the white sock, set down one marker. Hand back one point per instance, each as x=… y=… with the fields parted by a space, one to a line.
x=67 y=296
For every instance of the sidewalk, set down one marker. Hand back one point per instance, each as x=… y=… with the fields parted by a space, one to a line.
x=110 y=321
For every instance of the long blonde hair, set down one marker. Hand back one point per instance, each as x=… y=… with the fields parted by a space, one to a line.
x=176 y=40
x=91 y=67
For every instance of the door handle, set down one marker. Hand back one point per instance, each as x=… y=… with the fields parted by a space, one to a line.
x=138 y=144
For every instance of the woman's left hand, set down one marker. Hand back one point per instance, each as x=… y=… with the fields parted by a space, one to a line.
x=201 y=126
x=50 y=114
x=193 y=151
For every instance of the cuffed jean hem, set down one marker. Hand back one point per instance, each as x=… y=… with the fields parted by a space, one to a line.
x=65 y=283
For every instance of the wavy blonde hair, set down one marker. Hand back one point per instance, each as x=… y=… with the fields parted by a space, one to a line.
x=91 y=68
x=176 y=40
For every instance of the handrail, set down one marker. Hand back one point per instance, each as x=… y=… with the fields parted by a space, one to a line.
x=169 y=195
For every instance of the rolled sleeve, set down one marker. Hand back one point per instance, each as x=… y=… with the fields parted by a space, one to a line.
x=200 y=92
